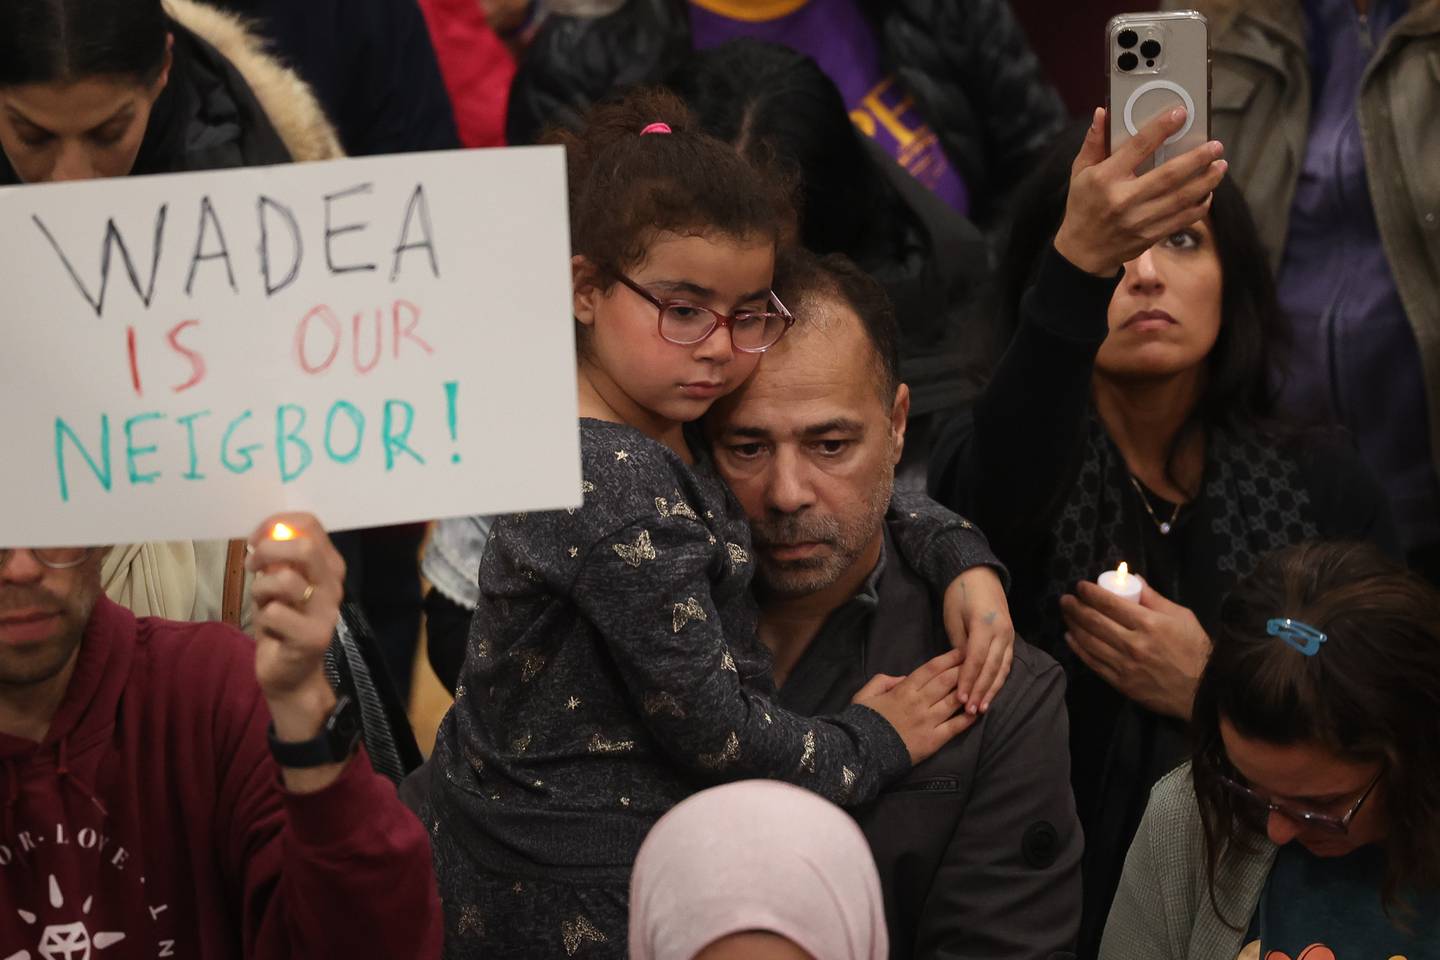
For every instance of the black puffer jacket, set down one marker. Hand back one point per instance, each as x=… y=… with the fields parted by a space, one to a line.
x=968 y=66
x=207 y=118
x=371 y=65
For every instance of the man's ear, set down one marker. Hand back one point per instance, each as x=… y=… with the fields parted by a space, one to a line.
x=585 y=283
x=900 y=418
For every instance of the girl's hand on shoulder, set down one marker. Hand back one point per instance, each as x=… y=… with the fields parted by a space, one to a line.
x=977 y=620
x=923 y=707
x=1112 y=216
x=1153 y=651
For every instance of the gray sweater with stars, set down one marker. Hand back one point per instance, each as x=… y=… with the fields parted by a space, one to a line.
x=613 y=669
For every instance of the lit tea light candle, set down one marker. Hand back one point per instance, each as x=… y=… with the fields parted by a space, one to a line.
x=282 y=531
x=1122 y=583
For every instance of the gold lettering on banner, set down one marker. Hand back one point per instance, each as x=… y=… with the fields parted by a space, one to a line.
x=873 y=108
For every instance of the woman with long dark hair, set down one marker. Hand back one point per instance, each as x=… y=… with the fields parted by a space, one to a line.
x=1305 y=822
x=1129 y=421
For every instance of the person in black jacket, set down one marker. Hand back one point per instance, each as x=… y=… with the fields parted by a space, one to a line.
x=966 y=70
x=978 y=847
x=370 y=63
x=1129 y=420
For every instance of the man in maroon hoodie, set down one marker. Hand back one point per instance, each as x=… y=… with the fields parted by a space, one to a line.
x=150 y=808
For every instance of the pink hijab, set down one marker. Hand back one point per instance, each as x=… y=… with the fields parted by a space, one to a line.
x=756 y=855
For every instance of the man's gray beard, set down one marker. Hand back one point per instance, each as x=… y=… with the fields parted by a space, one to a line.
x=799 y=578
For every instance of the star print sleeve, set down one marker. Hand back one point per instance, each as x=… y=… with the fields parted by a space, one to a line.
x=939 y=544
x=647 y=590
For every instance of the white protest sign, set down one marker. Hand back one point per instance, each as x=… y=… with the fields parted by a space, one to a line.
x=378 y=340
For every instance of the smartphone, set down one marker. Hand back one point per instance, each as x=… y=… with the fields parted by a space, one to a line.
x=1156 y=62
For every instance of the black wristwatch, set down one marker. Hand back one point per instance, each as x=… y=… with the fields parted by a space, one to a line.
x=335 y=743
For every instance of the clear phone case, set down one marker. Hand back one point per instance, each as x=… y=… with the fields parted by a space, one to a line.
x=1157 y=62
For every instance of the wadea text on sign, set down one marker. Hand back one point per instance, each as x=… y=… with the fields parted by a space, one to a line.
x=377 y=341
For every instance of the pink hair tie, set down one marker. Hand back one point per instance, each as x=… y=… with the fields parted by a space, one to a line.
x=656 y=128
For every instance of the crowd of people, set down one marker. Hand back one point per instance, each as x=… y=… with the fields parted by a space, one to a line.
x=880 y=363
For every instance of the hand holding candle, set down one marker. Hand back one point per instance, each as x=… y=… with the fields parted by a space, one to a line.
x=298 y=585
x=1149 y=648
x=1122 y=583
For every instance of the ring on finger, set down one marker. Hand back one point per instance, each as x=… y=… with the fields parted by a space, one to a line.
x=309 y=592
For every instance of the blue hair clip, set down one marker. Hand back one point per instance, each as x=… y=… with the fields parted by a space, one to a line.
x=1298 y=634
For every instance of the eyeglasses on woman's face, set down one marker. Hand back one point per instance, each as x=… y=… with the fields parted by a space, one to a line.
x=1328 y=822
x=686 y=324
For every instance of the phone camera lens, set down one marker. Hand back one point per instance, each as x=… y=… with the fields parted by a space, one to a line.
x=1128 y=61
x=1150 y=49
x=1127 y=39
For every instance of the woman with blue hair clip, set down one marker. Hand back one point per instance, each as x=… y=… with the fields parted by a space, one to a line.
x=1305 y=824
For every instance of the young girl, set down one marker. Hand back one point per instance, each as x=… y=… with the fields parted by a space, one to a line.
x=613 y=668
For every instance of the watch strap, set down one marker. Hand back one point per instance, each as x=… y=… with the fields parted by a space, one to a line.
x=335 y=743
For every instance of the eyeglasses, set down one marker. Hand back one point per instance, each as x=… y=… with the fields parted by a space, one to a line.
x=56 y=558
x=684 y=323
x=1306 y=818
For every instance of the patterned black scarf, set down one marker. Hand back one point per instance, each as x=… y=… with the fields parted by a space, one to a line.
x=1252 y=493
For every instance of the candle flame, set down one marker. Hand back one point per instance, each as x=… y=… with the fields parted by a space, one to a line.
x=282 y=532
x=1122 y=574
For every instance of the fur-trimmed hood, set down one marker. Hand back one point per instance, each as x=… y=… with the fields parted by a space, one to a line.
x=286 y=99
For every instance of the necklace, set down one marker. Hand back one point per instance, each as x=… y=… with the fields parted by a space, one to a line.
x=1164 y=526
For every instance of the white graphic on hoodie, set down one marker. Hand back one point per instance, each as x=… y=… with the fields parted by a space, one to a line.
x=65 y=941
x=67 y=933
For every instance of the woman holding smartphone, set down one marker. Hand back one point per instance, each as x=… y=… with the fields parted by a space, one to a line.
x=1129 y=420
